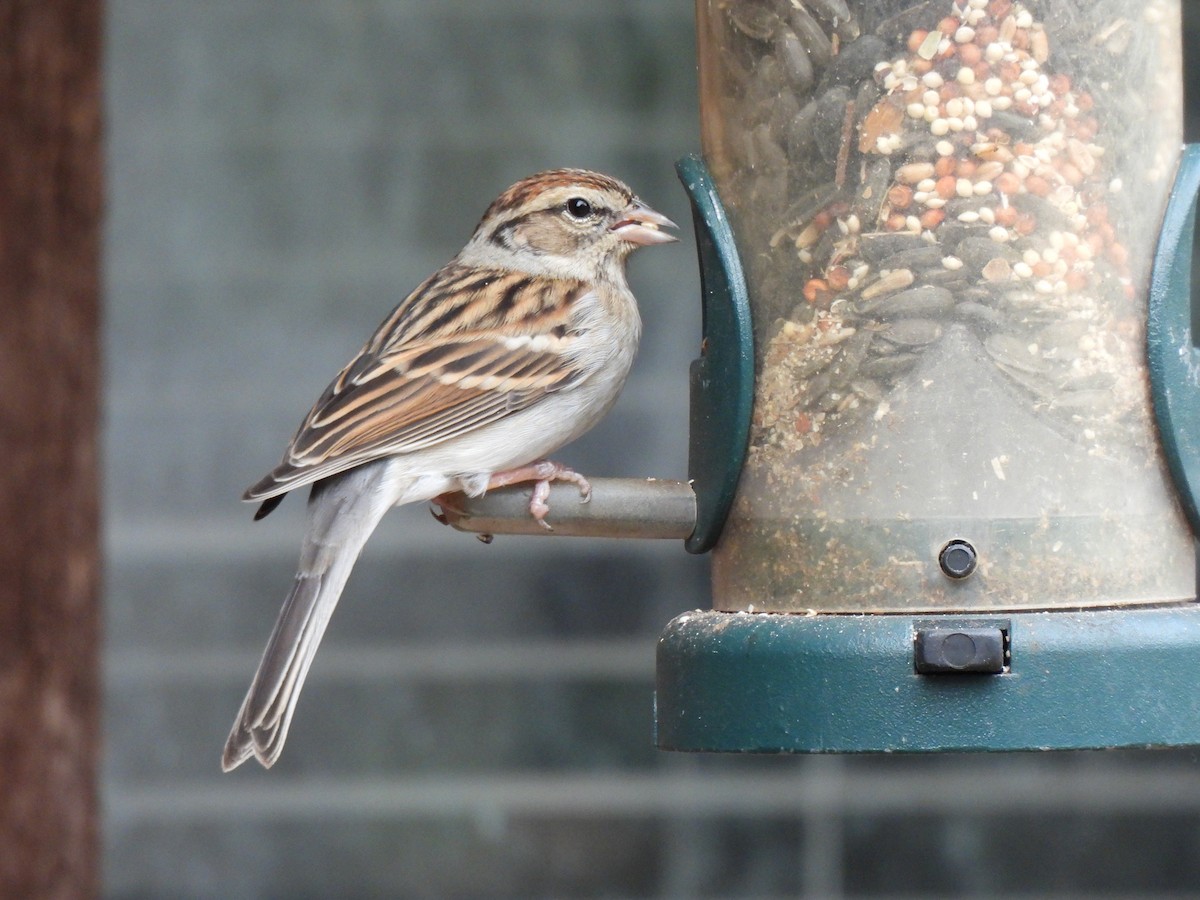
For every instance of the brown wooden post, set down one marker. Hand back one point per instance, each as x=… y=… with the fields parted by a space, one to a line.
x=50 y=205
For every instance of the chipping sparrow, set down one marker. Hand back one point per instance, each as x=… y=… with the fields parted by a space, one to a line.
x=517 y=346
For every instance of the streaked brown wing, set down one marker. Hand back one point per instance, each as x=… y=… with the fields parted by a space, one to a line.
x=402 y=394
x=422 y=395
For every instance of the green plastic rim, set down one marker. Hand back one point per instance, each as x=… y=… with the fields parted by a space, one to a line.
x=771 y=683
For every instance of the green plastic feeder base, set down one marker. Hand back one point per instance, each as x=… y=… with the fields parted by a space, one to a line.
x=738 y=682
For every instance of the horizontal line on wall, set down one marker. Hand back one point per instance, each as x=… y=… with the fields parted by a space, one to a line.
x=822 y=791
x=624 y=659
x=663 y=130
x=416 y=12
x=160 y=540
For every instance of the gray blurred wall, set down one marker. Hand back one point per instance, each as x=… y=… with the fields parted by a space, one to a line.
x=478 y=723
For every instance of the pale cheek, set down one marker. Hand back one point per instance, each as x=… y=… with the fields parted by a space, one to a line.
x=549 y=237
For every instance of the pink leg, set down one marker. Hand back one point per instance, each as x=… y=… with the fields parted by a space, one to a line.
x=541 y=473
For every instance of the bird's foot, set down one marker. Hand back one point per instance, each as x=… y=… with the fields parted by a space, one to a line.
x=542 y=473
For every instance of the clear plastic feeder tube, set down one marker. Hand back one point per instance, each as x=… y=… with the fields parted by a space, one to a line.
x=947 y=213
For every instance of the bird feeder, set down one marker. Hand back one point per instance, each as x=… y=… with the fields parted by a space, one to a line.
x=946 y=421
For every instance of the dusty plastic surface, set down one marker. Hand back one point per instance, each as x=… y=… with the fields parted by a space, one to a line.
x=947 y=213
x=730 y=682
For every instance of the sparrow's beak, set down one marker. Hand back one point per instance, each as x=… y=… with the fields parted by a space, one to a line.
x=639 y=224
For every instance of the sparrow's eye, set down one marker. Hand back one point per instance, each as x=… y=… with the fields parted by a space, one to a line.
x=578 y=208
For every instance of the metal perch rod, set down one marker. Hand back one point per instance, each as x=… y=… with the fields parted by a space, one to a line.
x=619 y=507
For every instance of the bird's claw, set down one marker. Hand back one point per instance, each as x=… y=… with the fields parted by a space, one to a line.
x=538 y=507
x=445 y=509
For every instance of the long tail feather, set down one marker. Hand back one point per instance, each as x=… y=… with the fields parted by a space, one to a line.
x=343 y=511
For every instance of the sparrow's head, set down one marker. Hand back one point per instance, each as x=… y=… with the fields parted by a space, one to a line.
x=566 y=222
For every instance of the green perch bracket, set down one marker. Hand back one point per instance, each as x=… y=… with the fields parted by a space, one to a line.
x=1174 y=360
x=722 y=379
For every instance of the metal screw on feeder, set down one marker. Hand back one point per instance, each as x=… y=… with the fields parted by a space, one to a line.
x=924 y=442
